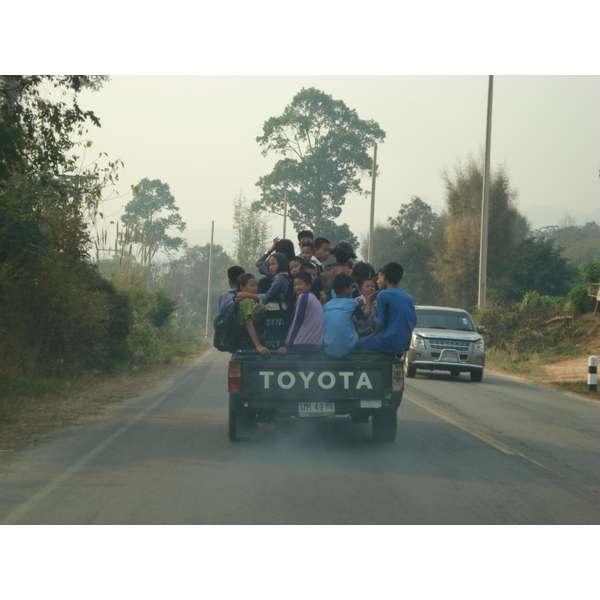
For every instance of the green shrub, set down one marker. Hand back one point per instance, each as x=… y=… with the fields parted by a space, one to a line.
x=590 y=272
x=578 y=300
x=519 y=330
x=58 y=315
x=162 y=308
x=533 y=300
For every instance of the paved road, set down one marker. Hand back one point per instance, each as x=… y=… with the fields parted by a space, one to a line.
x=496 y=452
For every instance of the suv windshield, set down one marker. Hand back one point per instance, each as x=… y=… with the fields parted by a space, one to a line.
x=444 y=319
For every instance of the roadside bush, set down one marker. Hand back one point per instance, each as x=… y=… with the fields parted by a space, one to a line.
x=590 y=272
x=578 y=300
x=533 y=325
x=57 y=315
x=162 y=307
x=533 y=300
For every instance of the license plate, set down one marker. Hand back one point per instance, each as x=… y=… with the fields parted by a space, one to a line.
x=316 y=409
x=449 y=356
x=370 y=403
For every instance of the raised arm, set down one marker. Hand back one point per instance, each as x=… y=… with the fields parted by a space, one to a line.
x=267 y=253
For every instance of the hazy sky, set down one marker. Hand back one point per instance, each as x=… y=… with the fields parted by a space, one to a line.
x=198 y=134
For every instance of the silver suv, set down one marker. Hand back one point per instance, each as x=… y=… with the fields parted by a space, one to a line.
x=445 y=339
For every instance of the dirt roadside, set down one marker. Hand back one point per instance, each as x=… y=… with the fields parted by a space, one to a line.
x=33 y=420
x=552 y=373
x=574 y=369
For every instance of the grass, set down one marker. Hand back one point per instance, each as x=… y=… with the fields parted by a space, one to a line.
x=33 y=408
x=581 y=388
x=548 y=347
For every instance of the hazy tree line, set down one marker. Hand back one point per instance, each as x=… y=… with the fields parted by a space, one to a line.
x=440 y=252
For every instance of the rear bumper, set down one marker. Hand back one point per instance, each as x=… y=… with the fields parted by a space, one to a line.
x=283 y=408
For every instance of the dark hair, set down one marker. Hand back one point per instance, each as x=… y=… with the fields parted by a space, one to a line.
x=343 y=252
x=392 y=272
x=319 y=242
x=264 y=283
x=304 y=276
x=363 y=270
x=296 y=259
x=340 y=282
x=234 y=272
x=305 y=233
x=283 y=264
x=286 y=247
x=326 y=275
x=309 y=244
x=243 y=279
x=306 y=266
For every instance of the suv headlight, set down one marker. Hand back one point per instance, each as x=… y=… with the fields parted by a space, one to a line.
x=418 y=343
x=479 y=347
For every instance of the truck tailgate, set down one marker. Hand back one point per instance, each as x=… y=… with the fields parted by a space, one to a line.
x=297 y=377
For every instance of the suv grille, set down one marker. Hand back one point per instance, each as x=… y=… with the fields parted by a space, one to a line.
x=436 y=344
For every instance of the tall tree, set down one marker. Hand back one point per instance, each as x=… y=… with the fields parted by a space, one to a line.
x=458 y=255
x=251 y=231
x=43 y=190
x=37 y=130
x=417 y=228
x=325 y=146
x=150 y=214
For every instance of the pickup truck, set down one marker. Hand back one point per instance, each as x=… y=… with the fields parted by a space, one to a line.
x=445 y=339
x=363 y=384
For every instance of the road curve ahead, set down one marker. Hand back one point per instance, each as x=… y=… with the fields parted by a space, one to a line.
x=495 y=452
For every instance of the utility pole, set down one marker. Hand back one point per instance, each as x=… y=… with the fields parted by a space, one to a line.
x=284 y=211
x=483 y=246
x=210 y=256
x=372 y=222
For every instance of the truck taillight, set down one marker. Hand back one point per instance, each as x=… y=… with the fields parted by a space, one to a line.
x=397 y=377
x=235 y=377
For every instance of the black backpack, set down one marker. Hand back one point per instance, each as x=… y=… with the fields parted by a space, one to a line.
x=228 y=334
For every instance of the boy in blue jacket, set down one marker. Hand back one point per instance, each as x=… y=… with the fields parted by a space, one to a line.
x=396 y=316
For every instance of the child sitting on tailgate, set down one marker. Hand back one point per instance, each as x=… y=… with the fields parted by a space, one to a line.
x=396 y=315
x=275 y=301
x=340 y=337
x=247 y=283
x=306 y=330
